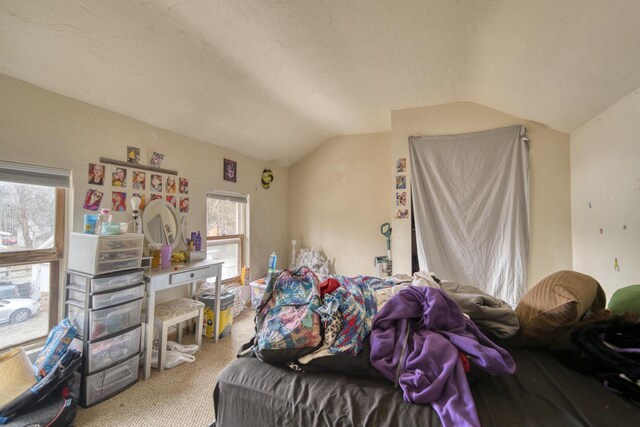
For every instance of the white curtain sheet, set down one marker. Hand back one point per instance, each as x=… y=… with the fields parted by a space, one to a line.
x=471 y=205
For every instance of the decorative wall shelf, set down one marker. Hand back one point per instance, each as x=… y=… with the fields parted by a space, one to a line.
x=137 y=166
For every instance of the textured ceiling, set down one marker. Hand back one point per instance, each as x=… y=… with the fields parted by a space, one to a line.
x=274 y=79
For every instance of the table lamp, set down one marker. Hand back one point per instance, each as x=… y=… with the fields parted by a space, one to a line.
x=137 y=221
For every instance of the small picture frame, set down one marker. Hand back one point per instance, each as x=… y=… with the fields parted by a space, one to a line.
x=172 y=200
x=133 y=155
x=138 y=181
x=401 y=198
x=156 y=183
x=230 y=170
x=96 y=174
x=92 y=200
x=401 y=182
x=119 y=177
x=184 y=205
x=401 y=165
x=171 y=185
x=155 y=197
x=119 y=201
x=156 y=160
x=402 y=214
x=184 y=186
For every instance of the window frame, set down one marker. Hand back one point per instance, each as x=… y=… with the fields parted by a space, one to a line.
x=53 y=256
x=241 y=212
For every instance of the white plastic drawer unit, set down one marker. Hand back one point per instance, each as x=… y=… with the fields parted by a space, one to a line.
x=105 y=384
x=98 y=254
x=107 y=299
x=106 y=283
x=106 y=321
x=102 y=354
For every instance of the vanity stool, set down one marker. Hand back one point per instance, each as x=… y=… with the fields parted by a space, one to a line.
x=173 y=313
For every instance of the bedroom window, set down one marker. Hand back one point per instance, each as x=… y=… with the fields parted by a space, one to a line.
x=227 y=232
x=32 y=221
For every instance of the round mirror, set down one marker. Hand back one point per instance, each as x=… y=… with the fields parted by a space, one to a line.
x=161 y=224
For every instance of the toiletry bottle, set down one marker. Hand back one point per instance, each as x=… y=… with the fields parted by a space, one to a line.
x=272 y=262
x=198 y=242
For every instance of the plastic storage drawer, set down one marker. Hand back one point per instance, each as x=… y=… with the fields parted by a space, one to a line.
x=105 y=283
x=112 y=350
x=106 y=321
x=111 y=381
x=107 y=299
x=97 y=254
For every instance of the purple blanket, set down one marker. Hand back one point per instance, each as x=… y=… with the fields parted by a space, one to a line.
x=416 y=340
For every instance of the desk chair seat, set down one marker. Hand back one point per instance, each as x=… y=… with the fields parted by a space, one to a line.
x=173 y=313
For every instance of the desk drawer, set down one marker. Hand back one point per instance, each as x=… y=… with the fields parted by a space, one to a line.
x=189 y=276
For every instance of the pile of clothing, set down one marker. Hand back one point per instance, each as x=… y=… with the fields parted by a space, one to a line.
x=418 y=332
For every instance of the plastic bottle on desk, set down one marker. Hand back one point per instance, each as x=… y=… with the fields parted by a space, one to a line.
x=198 y=242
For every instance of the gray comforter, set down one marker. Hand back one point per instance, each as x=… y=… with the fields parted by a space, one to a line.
x=489 y=313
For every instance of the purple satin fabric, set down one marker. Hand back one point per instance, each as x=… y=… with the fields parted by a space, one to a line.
x=431 y=371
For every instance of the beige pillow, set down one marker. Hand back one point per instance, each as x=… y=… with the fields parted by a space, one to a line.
x=555 y=304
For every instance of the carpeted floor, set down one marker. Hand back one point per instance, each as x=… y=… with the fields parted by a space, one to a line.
x=181 y=396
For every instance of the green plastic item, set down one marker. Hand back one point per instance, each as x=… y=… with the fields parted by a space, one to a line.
x=625 y=300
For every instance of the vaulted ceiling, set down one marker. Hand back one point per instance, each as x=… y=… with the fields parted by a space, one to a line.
x=273 y=79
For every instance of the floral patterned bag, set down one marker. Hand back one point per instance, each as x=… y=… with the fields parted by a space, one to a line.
x=287 y=325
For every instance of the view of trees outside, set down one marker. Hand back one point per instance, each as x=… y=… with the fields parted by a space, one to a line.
x=27 y=221
x=27 y=216
x=223 y=219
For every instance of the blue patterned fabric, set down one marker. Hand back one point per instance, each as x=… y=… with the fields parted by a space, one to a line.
x=287 y=317
x=356 y=302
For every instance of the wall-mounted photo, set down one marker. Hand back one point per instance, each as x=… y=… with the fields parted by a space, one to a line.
x=92 y=200
x=96 y=174
x=139 y=178
x=184 y=204
x=155 y=197
x=156 y=160
x=119 y=177
x=401 y=165
x=172 y=200
x=119 y=201
x=184 y=185
x=230 y=170
x=401 y=182
x=133 y=155
x=156 y=183
x=171 y=185
x=401 y=199
x=402 y=214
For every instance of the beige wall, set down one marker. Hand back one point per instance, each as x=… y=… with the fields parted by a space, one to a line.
x=338 y=200
x=550 y=248
x=605 y=194
x=44 y=128
x=342 y=192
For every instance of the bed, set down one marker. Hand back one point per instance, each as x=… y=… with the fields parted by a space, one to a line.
x=542 y=392
x=341 y=389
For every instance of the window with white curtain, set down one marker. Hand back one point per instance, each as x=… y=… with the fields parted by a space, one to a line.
x=227 y=231
x=32 y=208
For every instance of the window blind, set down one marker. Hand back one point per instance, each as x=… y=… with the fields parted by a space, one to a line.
x=231 y=197
x=21 y=173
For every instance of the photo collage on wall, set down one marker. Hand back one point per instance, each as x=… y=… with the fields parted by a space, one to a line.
x=401 y=184
x=147 y=185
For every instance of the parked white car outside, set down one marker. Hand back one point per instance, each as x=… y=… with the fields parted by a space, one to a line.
x=17 y=310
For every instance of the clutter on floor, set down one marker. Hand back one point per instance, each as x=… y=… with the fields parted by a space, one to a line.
x=29 y=392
